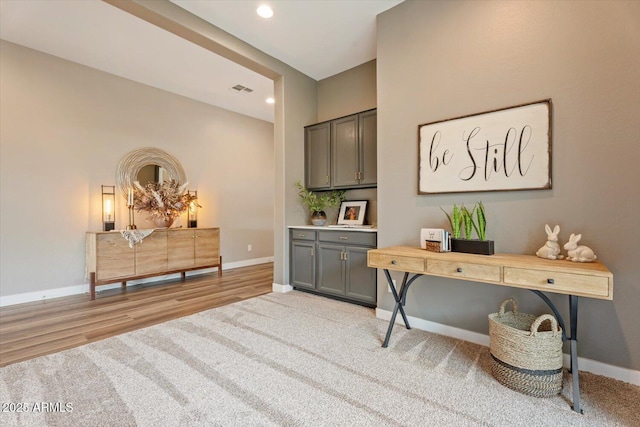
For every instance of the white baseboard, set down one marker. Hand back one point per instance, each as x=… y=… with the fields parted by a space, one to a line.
x=246 y=263
x=283 y=289
x=587 y=365
x=84 y=289
x=43 y=295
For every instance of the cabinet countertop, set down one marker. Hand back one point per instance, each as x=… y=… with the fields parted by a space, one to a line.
x=327 y=228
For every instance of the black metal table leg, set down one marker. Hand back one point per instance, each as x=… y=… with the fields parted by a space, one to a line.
x=573 y=312
x=398 y=305
x=400 y=301
x=573 y=341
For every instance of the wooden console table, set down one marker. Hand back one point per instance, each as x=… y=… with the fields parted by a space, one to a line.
x=165 y=251
x=591 y=280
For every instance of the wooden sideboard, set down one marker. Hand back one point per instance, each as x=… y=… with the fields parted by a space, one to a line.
x=165 y=251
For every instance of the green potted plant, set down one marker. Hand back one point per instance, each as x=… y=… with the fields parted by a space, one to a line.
x=318 y=202
x=472 y=220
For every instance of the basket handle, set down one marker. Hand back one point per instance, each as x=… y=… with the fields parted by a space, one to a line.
x=536 y=324
x=504 y=303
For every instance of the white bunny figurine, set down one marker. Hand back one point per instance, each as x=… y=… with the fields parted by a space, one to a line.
x=551 y=249
x=578 y=253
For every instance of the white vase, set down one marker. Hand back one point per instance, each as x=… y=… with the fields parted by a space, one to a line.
x=161 y=222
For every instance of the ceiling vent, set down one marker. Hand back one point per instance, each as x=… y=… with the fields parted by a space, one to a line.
x=240 y=88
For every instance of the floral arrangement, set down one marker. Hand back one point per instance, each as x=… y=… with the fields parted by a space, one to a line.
x=166 y=200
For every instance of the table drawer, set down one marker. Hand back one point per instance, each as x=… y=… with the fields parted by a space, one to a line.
x=300 y=234
x=464 y=270
x=567 y=283
x=397 y=262
x=348 y=237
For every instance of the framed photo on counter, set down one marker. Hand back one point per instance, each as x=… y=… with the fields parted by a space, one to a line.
x=352 y=212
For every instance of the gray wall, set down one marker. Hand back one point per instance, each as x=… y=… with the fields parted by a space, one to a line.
x=349 y=92
x=64 y=129
x=439 y=60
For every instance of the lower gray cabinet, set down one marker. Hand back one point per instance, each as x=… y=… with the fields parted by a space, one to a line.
x=331 y=269
x=333 y=263
x=358 y=277
x=303 y=260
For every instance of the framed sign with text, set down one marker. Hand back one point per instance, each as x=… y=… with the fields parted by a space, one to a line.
x=507 y=149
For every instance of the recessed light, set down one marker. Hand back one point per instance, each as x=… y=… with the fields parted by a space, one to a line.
x=265 y=11
x=271 y=101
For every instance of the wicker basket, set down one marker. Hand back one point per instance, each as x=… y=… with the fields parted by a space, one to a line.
x=526 y=355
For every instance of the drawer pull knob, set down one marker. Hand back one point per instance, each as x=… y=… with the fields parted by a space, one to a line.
x=550 y=281
x=393 y=262
x=301 y=235
x=343 y=238
x=459 y=270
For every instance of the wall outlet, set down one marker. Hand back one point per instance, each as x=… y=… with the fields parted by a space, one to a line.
x=249 y=248
x=394 y=285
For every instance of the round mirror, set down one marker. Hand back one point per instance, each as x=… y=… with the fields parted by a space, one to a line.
x=152 y=173
x=148 y=164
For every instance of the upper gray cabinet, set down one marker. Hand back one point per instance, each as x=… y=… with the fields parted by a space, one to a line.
x=317 y=156
x=341 y=153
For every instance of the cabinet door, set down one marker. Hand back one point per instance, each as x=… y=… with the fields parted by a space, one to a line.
x=207 y=247
x=345 y=152
x=360 y=279
x=331 y=269
x=317 y=155
x=114 y=257
x=303 y=264
x=181 y=249
x=368 y=133
x=151 y=253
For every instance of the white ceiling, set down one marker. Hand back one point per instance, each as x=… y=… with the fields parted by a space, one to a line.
x=317 y=37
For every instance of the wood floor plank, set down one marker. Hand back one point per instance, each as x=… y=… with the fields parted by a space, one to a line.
x=30 y=336
x=38 y=328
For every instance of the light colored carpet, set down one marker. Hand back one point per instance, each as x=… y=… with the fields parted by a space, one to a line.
x=288 y=360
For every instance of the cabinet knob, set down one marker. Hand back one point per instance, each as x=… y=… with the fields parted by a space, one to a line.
x=301 y=235
x=393 y=262
x=344 y=238
x=459 y=270
x=550 y=281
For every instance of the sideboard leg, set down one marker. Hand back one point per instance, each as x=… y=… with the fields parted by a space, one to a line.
x=92 y=285
x=220 y=266
x=573 y=309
